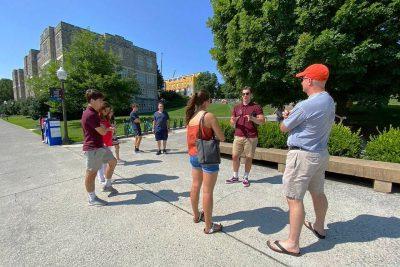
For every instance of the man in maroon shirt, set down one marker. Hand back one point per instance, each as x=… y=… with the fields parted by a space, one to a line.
x=245 y=117
x=93 y=146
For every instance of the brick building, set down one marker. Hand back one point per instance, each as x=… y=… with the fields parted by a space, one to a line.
x=135 y=61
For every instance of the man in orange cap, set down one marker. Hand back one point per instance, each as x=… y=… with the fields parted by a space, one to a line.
x=309 y=125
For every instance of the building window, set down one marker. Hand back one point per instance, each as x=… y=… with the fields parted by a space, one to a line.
x=140 y=61
x=150 y=63
x=151 y=79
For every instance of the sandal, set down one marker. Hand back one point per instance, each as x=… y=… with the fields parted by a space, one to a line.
x=309 y=226
x=216 y=227
x=281 y=249
x=200 y=218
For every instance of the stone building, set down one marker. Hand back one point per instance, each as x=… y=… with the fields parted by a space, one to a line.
x=183 y=84
x=136 y=62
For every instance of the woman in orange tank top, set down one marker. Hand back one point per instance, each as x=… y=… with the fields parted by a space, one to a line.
x=203 y=174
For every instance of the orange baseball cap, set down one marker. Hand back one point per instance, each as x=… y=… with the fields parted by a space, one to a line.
x=318 y=72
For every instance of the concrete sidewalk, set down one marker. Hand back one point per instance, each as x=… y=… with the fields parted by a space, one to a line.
x=45 y=218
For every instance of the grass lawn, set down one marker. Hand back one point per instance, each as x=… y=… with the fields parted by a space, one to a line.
x=75 y=131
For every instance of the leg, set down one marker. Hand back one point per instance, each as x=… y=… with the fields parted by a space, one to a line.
x=139 y=140
x=209 y=180
x=164 y=144
x=117 y=152
x=248 y=164
x=159 y=144
x=237 y=150
x=235 y=162
x=110 y=168
x=320 y=203
x=90 y=177
x=197 y=176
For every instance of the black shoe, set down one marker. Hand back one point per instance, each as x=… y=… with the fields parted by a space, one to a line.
x=165 y=151
x=158 y=152
x=136 y=149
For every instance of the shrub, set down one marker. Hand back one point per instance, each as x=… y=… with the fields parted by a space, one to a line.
x=228 y=131
x=385 y=146
x=270 y=136
x=343 y=142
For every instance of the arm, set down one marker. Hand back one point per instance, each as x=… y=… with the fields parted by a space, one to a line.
x=136 y=120
x=292 y=119
x=168 y=124
x=103 y=130
x=154 y=124
x=215 y=127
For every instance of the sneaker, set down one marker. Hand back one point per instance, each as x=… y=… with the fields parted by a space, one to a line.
x=232 y=180
x=137 y=150
x=97 y=202
x=165 y=151
x=101 y=181
x=110 y=189
x=246 y=183
x=158 y=152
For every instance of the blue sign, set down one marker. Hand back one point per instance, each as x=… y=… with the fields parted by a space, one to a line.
x=55 y=94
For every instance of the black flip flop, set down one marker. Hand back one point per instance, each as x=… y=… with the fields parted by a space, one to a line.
x=282 y=249
x=309 y=226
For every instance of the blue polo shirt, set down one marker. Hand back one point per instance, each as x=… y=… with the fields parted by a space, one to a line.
x=310 y=122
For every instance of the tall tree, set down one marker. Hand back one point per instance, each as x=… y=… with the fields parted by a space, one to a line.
x=264 y=43
x=207 y=81
x=90 y=65
x=160 y=81
x=6 y=90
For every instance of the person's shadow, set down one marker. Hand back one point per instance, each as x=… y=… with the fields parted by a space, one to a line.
x=140 y=162
x=144 y=197
x=268 y=220
x=277 y=179
x=151 y=178
x=363 y=228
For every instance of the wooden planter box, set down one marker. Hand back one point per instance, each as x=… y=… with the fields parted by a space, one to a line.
x=384 y=174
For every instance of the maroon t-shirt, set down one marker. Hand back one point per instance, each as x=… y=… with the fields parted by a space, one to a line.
x=245 y=128
x=90 y=121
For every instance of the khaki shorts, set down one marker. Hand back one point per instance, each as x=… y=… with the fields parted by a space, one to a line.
x=246 y=145
x=304 y=171
x=96 y=158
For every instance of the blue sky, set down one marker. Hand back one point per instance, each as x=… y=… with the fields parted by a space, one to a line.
x=177 y=28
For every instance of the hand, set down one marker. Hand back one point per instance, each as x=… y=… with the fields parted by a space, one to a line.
x=249 y=118
x=285 y=114
x=110 y=129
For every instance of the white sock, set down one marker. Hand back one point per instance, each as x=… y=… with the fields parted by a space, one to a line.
x=92 y=195
x=236 y=174
x=108 y=182
x=246 y=175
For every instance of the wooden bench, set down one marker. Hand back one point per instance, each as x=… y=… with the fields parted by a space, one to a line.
x=384 y=174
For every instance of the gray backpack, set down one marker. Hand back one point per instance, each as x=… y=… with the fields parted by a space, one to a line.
x=207 y=150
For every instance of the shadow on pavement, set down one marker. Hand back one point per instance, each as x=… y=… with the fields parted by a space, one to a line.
x=140 y=162
x=145 y=197
x=277 y=179
x=269 y=220
x=146 y=179
x=363 y=228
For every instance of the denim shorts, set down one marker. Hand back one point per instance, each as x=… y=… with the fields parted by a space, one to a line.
x=207 y=168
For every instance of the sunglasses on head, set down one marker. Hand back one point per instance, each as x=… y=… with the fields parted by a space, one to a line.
x=247 y=93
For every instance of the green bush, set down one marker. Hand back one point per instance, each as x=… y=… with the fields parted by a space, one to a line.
x=343 y=142
x=228 y=131
x=270 y=136
x=385 y=146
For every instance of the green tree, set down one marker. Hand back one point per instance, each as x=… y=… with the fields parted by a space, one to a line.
x=359 y=41
x=160 y=81
x=207 y=81
x=264 y=43
x=90 y=65
x=6 y=90
x=253 y=42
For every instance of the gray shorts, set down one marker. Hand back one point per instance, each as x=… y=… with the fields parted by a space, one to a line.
x=96 y=158
x=304 y=171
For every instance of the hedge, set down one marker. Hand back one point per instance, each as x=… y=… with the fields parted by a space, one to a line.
x=385 y=146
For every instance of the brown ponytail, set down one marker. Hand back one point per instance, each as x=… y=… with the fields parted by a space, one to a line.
x=195 y=102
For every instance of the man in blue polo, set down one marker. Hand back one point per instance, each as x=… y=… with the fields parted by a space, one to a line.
x=309 y=125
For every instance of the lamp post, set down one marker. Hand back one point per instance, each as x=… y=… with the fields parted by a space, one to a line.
x=62 y=76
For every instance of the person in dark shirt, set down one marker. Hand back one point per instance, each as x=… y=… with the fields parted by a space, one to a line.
x=245 y=118
x=161 y=127
x=93 y=147
x=135 y=122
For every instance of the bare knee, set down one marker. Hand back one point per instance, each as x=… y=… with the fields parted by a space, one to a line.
x=112 y=163
x=235 y=157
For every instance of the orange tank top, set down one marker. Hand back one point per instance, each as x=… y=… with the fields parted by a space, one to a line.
x=192 y=131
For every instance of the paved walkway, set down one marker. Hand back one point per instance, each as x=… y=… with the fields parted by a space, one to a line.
x=45 y=219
